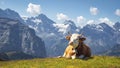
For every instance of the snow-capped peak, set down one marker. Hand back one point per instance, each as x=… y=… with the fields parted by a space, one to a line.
x=99 y=28
x=95 y=27
x=62 y=28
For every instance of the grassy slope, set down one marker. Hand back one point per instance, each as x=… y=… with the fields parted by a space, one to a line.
x=96 y=62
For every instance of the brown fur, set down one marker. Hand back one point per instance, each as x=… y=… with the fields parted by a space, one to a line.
x=84 y=50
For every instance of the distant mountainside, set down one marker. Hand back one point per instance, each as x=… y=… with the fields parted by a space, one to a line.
x=100 y=37
x=19 y=38
x=8 y=13
x=114 y=51
x=13 y=55
x=50 y=31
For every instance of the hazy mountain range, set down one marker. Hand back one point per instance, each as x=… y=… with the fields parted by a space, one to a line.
x=17 y=40
x=101 y=38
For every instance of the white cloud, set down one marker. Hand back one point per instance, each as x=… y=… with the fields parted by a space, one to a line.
x=80 y=19
x=94 y=10
x=61 y=16
x=33 y=9
x=117 y=12
x=106 y=20
x=90 y=22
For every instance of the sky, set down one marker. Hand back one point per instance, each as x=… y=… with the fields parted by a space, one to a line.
x=82 y=12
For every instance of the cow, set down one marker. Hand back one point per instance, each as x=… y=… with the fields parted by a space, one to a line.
x=76 y=47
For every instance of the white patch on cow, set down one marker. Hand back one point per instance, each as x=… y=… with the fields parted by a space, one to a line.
x=74 y=51
x=73 y=56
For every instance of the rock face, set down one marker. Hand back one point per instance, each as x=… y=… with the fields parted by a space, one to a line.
x=16 y=37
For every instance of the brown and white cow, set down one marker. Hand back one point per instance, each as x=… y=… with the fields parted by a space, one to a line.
x=76 y=47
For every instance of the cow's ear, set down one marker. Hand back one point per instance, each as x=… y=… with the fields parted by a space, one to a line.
x=68 y=37
x=83 y=39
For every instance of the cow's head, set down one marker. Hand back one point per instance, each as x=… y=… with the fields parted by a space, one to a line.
x=75 y=39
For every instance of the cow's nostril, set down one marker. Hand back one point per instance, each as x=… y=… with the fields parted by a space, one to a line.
x=71 y=43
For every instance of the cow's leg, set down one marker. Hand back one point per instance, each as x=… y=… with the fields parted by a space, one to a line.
x=73 y=56
x=64 y=54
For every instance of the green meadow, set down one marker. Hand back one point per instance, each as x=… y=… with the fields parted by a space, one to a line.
x=94 y=62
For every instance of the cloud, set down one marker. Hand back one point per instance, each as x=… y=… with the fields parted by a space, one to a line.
x=117 y=12
x=94 y=10
x=61 y=16
x=80 y=19
x=106 y=20
x=34 y=9
x=90 y=22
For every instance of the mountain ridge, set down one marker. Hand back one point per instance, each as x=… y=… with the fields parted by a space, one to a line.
x=15 y=36
x=100 y=37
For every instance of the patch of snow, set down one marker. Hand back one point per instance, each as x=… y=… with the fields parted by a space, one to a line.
x=96 y=27
x=77 y=30
x=119 y=30
x=62 y=28
x=35 y=28
x=37 y=21
x=99 y=28
x=24 y=18
x=52 y=34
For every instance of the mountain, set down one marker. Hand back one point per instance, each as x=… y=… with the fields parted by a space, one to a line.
x=3 y=57
x=50 y=32
x=41 y=23
x=117 y=26
x=114 y=51
x=17 y=37
x=117 y=32
x=44 y=28
x=59 y=47
x=8 y=13
x=67 y=26
x=14 y=56
x=100 y=37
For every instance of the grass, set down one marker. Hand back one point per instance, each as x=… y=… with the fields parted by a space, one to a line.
x=95 y=62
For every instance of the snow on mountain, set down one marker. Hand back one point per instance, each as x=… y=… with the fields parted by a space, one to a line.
x=50 y=31
x=19 y=38
x=117 y=26
x=96 y=27
x=41 y=23
x=100 y=37
x=62 y=28
x=38 y=21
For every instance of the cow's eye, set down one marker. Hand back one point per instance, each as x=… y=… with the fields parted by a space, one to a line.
x=77 y=39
